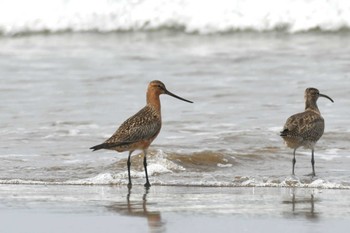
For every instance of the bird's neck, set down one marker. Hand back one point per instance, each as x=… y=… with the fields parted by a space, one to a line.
x=153 y=101
x=311 y=105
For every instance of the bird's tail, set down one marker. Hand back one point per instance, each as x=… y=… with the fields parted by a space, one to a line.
x=284 y=133
x=98 y=147
x=107 y=145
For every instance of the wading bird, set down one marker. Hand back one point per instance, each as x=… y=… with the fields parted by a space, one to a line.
x=138 y=131
x=305 y=128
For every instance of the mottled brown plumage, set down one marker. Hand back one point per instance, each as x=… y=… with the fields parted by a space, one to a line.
x=138 y=131
x=306 y=128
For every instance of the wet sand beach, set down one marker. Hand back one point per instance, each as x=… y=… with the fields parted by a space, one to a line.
x=70 y=208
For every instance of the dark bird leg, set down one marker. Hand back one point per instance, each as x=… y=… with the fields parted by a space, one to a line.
x=147 y=184
x=313 y=163
x=294 y=161
x=129 y=164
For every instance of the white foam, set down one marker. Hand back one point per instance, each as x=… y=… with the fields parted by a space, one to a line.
x=290 y=182
x=157 y=164
x=319 y=183
x=224 y=165
x=18 y=16
x=18 y=155
x=159 y=161
x=28 y=182
x=119 y=178
x=104 y=178
x=205 y=181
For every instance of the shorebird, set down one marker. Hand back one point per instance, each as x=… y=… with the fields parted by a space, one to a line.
x=306 y=128
x=138 y=131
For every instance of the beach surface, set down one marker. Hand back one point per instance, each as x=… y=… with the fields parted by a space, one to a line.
x=89 y=209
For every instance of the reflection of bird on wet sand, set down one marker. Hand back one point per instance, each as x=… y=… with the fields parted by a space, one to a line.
x=139 y=209
x=302 y=206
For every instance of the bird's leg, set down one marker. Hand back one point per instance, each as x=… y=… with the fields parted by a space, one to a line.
x=294 y=161
x=147 y=184
x=313 y=163
x=129 y=164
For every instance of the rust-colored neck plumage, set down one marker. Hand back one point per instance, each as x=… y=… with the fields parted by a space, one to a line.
x=153 y=99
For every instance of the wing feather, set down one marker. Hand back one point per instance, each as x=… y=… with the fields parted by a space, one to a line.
x=142 y=126
x=306 y=125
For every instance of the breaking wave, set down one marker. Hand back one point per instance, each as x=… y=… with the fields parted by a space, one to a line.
x=190 y=16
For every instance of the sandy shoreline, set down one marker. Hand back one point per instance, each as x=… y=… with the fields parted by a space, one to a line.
x=39 y=208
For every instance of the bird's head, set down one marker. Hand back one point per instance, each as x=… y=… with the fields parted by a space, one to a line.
x=157 y=87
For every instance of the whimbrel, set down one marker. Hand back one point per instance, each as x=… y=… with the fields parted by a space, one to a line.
x=306 y=128
x=138 y=131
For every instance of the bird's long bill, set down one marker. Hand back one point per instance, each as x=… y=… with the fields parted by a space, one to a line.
x=326 y=96
x=178 y=97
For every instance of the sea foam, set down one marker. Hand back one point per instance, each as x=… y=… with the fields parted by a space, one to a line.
x=191 y=16
x=206 y=181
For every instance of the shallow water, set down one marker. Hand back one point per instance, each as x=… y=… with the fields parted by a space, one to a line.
x=63 y=93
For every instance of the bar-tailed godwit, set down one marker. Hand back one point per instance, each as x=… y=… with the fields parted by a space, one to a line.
x=138 y=131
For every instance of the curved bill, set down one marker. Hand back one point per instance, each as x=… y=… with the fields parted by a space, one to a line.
x=178 y=97
x=326 y=96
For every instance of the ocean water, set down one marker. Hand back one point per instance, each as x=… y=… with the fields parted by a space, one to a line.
x=70 y=77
